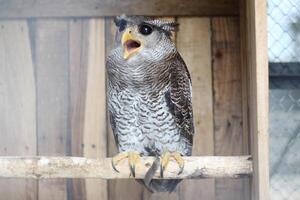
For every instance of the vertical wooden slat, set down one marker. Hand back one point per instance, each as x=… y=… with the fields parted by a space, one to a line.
x=78 y=39
x=194 y=44
x=17 y=105
x=95 y=106
x=255 y=58
x=228 y=116
x=51 y=64
x=245 y=100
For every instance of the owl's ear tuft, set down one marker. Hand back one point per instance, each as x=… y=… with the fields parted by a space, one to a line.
x=119 y=20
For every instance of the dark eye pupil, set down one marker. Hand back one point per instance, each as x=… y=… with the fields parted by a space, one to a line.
x=145 y=29
x=122 y=25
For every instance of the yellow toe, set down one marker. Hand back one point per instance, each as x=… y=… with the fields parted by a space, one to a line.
x=165 y=158
x=117 y=158
x=133 y=159
x=178 y=158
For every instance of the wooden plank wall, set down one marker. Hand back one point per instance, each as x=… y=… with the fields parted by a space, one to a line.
x=54 y=102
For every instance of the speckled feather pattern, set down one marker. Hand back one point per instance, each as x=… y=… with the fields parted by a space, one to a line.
x=149 y=96
x=139 y=104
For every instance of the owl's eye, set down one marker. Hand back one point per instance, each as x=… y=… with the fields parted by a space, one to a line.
x=145 y=29
x=122 y=25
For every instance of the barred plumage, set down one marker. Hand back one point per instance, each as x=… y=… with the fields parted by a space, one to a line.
x=149 y=94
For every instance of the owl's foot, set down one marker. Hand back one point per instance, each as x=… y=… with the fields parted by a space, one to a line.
x=133 y=158
x=165 y=158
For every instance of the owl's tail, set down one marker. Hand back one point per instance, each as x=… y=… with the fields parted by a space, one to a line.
x=163 y=185
x=156 y=185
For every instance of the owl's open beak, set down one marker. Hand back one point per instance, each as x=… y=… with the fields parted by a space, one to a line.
x=129 y=43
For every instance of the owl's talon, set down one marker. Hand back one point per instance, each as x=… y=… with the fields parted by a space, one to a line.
x=165 y=158
x=180 y=171
x=179 y=161
x=132 y=170
x=114 y=167
x=133 y=158
x=162 y=171
x=117 y=158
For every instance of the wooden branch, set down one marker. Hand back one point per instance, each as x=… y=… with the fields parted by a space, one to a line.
x=78 y=167
x=98 y=8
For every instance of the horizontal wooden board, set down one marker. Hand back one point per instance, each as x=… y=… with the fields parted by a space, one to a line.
x=94 y=8
x=51 y=167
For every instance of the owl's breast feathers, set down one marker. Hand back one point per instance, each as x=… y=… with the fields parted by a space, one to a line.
x=173 y=95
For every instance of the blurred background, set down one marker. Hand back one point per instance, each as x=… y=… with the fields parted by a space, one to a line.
x=284 y=69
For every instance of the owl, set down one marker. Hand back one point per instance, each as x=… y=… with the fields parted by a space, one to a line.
x=149 y=96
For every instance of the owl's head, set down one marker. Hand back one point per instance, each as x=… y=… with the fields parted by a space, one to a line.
x=140 y=36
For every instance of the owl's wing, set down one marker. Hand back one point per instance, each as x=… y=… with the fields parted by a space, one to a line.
x=179 y=98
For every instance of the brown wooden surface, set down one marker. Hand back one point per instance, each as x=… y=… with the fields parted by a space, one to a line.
x=95 y=106
x=245 y=100
x=17 y=105
x=88 y=120
x=68 y=58
x=78 y=36
x=50 y=53
x=254 y=20
x=228 y=114
x=96 y=8
x=194 y=44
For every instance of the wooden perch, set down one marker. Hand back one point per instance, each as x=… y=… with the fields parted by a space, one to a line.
x=78 y=167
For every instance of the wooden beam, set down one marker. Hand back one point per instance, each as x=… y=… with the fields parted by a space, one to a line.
x=255 y=59
x=40 y=167
x=96 y=8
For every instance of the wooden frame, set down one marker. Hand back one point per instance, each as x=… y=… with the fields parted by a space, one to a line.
x=100 y=8
x=255 y=63
x=253 y=46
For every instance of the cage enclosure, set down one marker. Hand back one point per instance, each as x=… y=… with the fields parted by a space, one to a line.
x=53 y=83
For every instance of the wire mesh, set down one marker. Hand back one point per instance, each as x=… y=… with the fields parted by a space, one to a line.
x=284 y=67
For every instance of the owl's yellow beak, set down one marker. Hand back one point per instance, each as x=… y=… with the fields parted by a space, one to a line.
x=129 y=43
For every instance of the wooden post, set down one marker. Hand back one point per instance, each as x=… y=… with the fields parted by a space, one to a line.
x=254 y=57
